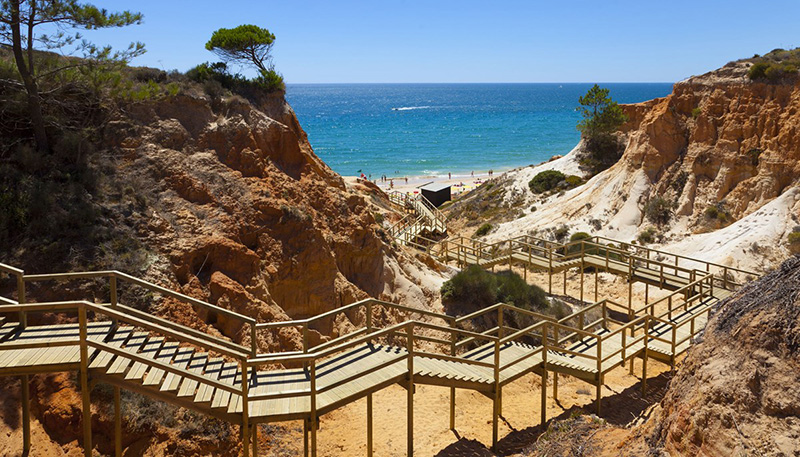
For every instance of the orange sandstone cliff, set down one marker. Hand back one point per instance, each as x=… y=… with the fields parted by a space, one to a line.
x=223 y=199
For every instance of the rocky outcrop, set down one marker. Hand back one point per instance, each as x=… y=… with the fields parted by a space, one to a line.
x=737 y=142
x=734 y=393
x=235 y=208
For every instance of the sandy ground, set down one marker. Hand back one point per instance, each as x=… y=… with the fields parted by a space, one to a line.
x=343 y=432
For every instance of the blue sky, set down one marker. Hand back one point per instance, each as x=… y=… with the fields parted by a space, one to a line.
x=350 y=41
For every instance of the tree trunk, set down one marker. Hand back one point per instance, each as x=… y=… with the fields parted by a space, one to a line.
x=34 y=101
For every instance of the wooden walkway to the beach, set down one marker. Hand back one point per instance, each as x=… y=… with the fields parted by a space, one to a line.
x=133 y=350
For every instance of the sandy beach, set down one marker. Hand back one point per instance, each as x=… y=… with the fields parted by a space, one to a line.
x=461 y=182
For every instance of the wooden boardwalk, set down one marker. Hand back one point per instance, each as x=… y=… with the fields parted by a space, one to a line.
x=132 y=350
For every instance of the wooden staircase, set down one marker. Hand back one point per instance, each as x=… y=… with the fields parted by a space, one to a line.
x=136 y=351
x=422 y=217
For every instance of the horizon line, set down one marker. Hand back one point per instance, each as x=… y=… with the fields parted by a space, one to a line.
x=489 y=82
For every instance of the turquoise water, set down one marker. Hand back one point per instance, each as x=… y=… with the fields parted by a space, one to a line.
x=433 y=129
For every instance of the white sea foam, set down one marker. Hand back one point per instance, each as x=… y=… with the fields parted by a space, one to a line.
x=409 y=108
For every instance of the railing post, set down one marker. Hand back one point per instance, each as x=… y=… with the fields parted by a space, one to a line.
x=644 y=358
x=605 y=314
x=453 y=337
x=711 y=288
x=583 y=266
x=550 y=271
x=500 y=311
x=599 y=392
x=245 y=409
x=544 y=373
x=253 y=338
x=112 y=284
x=314 y=418
x=305 y=338
x=674 y=346
x=497 y=396
x=24 y=379
x=410 y=393
x=624 y=346
x=84 y=379
x=21 y=299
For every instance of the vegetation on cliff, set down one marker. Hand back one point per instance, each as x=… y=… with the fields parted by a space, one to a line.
x=66 y=17
x=776 y=65
x=602 y=117
x=249 y=45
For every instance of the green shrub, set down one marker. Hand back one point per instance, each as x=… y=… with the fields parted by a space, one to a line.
x=483 y=229
x=696 y=112
x=647 y=236
x=476 y=288
x=775 y=66
x=718 y=213
x=603 y=151
x=658 y=210
x=546 y=181
x=145 y=74
x=578 y=236
x=216 y=76
x=758 y=71
x=271 y=81
x=573 y=181
x=794 y=242
x=378 y=218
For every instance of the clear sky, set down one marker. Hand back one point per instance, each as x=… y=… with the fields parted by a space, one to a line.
x=351 y=41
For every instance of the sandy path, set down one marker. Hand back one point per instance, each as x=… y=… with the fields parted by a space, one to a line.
x=343 y=432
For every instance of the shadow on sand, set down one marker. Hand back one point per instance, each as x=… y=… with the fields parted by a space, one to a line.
x=619 y=410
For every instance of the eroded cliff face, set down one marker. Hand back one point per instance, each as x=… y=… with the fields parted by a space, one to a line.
x=736 y=141
x=236 y=209
x=722 y=151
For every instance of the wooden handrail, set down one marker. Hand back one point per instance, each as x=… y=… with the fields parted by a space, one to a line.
x=11 y=270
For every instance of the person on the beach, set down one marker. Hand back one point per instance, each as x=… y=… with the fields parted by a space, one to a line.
x=490 y=172
x=406 y=179
x=473 y=174
x=391 y=183
x=448 y=175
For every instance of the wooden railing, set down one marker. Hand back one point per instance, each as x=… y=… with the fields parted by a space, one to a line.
x=423 y=215
x=116 y=279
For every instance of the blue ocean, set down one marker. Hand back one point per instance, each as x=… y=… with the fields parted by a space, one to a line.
x=433 y=129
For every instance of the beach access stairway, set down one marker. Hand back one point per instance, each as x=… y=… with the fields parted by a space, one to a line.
x=635 y=263
x=421 y=217
x=134 y=350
